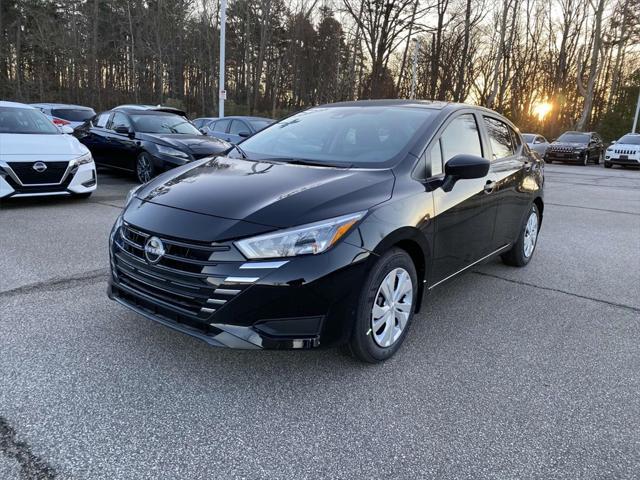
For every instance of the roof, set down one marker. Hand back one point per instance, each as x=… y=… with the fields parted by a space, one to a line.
x=14 y=105
x=246 y=117
x=143 y=111
x=60 y=105
x=432 y=104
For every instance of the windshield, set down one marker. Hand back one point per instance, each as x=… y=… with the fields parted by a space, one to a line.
x=574 y=138
x=163 y=123
x=260 y=124
x=73 y=114
x=25 y=120
x=528 y=137
x=630 y=140
x=359 y=136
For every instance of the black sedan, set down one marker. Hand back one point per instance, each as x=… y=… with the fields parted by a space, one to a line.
x=328 y=227
x=146 y=142
x=576 y=147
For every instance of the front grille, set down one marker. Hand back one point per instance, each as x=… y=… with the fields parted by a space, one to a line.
x=625 y=151
x=561 y=149
x=181 y=281
x=29 y=176
x=32 y=189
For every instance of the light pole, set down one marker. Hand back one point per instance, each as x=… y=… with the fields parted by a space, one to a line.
x=222 y=93
x=635 y=120
x=416 y=47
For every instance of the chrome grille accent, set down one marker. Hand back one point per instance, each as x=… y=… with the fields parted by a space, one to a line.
x=178 y=281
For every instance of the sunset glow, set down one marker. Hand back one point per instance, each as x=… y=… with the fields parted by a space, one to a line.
x=541 y=110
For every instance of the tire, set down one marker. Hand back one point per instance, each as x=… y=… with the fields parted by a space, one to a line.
x=82 y=195
x=607 y=165
x=396 y=267
x=145 y=169
x=599 y=158
x=522 y=251
x=549 y=160
x=585 y=159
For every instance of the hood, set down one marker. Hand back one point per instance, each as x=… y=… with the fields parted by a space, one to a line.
x=52 y=145
x=195 y=144
x=273 y=194
x=624 y=146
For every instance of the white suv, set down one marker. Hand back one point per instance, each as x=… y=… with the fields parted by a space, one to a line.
x=38 y=158
x=625 y=151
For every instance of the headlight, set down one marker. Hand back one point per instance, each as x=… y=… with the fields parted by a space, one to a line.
x=131 y=194
x=115 y=229
x=86 y=158
x=311 y=239
x=172 y=152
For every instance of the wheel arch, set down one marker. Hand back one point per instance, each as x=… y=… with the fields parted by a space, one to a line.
x=540 y=204
x=412 y=241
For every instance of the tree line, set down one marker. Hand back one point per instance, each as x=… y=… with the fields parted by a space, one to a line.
x=582 y=57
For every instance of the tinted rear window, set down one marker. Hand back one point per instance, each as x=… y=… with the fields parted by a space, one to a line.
x=73 y=114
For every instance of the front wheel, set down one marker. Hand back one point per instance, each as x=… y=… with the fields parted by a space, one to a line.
x=145 y=170
x=385 y=308
x=585 y=159
x=522 y=251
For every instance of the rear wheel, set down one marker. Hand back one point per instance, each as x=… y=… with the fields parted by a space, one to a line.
x=522 y=251
x=385 y=308
x=145 y=170
x=599 y=158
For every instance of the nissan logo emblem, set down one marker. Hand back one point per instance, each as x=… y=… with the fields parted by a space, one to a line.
x=39 y=167
x=153 y=250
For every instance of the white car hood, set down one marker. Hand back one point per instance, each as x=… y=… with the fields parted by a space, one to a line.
x=625 y=146
x=13 y=146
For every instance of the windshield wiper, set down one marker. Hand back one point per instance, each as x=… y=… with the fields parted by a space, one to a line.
x=304 y=161
x=239 y=150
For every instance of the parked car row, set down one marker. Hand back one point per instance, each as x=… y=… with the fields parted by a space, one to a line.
x=585 y=147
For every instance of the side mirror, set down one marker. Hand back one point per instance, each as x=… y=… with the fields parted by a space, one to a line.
x=66 y=129
x=464 y=167
x=123 y=130
x=203 y=131
x=244 y=134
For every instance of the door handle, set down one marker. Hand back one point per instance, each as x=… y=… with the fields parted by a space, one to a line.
x=490 y=186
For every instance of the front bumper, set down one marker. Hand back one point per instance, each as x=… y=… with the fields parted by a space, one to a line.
x=77 y=180
x=564 y=156
x=216 y=295
x=628 y=160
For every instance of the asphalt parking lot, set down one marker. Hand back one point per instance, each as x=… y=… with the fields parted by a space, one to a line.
x=507 y=373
